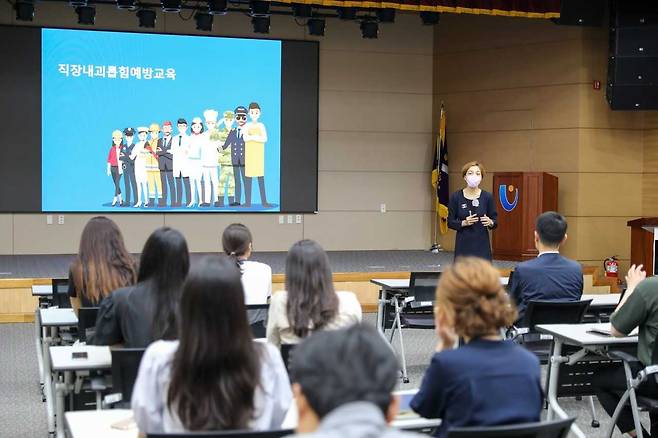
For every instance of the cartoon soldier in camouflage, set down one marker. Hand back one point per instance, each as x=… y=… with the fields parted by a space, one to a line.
x=226 y=175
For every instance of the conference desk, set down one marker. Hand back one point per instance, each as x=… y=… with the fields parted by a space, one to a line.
x=590 y=344
x=47 y=323
x=116 y=423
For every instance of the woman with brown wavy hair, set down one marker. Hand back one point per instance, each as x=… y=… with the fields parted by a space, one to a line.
x=487 y=381
x=102 y=265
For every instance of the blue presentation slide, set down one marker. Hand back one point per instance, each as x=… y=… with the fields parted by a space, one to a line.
x=137 y=122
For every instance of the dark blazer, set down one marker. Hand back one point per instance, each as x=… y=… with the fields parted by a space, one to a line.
x=548 y=277
x=165 y=159
x=126 y=316
x=237 y=147
x=472 y=240
x=481 y=383
x=126 y=150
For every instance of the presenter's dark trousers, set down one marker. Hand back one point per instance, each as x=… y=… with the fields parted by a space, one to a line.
x=180 y=182
x=130 y=183
x=609 y=384
x=247 y=189
x=116 y=177
x=167 y=178
x=238 y=175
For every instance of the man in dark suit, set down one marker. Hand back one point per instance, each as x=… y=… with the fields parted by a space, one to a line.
x=166 y=165
x=550 y=276
x=128 y=167
x=235 y=141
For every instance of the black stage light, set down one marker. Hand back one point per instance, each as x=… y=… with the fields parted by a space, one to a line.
x=430 y=18
x=259 y=8
x=316 y=26
x=24 y=10
x=126 y=5
x=146 y=18
x=86 y=15
x=386 y=15
x=346 y=13
x=369 y=29
x=261 y=24
x=300 y=10
x=171 y=5
x=217 y=7
x=203 y=21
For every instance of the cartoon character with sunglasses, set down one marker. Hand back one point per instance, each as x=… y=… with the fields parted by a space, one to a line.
x=235 y=141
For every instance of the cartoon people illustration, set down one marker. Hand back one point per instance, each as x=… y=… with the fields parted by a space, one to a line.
x=196 y=141
x=113 y=168
x=209 y=157
x=179 y=150
x=255 y=137
x=139 y=156
x=235 y=142
x=153 y=166
x=226 y=176
x=128 y=166
x=166 y=164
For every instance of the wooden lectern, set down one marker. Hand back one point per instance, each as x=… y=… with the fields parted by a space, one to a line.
x=520 y=198
x=644 y=238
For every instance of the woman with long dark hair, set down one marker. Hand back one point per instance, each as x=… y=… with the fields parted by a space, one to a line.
x=103 y=264
x=309 y=302
x=137 y=315
x=215 y=377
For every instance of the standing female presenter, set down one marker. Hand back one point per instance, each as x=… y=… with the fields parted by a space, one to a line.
x=472 y=213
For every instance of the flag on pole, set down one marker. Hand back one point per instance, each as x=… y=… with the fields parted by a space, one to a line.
x=440 y=175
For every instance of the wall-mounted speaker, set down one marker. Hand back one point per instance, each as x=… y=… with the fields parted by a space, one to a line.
x=633 y=58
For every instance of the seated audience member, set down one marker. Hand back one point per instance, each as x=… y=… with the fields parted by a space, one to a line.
x=102 y=265
x=343 y=382
x=309 y=302
x=256 y=276
x=487 y=381
x=137 y=315
x=550 y=276
x=215 y=377
x=638 y=308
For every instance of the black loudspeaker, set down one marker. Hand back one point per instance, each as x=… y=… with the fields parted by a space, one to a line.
x=633 y=59
x=581 y=12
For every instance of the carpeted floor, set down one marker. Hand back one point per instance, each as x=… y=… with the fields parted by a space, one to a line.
x=22 y=414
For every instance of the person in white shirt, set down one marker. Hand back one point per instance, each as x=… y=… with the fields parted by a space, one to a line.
x=310 y=302
x=210 y=158
x=139 y=154
x=193 y=384
x=195 y=145
x=256 y=276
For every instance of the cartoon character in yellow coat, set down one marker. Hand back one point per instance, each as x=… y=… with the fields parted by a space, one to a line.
x=255 y=137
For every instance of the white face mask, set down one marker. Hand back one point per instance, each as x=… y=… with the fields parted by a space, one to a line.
x=473 y=180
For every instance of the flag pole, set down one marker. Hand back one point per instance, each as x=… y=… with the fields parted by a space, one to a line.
x=436 y=247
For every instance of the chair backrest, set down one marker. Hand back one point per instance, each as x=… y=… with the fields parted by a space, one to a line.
x=125 y=365
x=545 y=429
x=422 y=285
x=257 y=314
x=226 y=434
x=554 y=312
x=86 y=321
x=61 y=293
x=286 y=353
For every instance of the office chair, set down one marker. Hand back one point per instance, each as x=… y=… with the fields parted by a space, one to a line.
x=226 y=434
x=287 y=351
x=125 y=365
x=257 y=315
x=544 y=429
x=86 y=322
x=414 y=309
x=637 y=402
x=61 y=293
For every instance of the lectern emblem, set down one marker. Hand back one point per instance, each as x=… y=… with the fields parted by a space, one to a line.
x=502 y=195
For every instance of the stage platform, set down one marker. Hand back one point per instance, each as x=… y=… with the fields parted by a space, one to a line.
x=56 y=265
x=352 y=270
